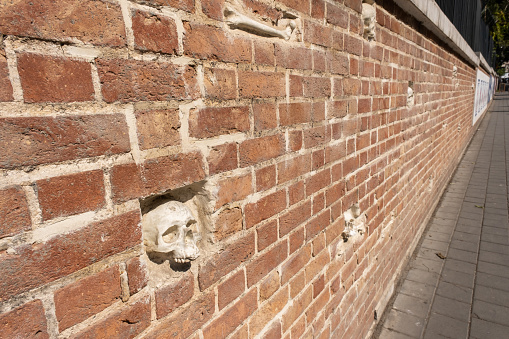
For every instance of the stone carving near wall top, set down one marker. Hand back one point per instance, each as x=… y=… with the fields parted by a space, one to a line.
x=410 y=97
x=236 y=16
x=167 y=229
x=368 y=19
x=355 y=223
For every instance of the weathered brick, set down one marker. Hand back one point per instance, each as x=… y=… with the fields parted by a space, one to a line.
x=168 y=298
x=223 y=158
x=337 y=16
x=317 y=224
x=254 y=151
x=233 y=189
x=35 y=265
x=71 y=194
x=264 y=116
x=263 y=264
x=186 y=321
x=267 y=234
x=316 y=136
x=354 y=4
x=338 y=63
x=230 y=289
x=265 y=178
x=269 y=286
x=207 y=42
x=154 y=33
x=135 y=80
x=293 y=57
x=264 y=208
x=318 y=181
x=318 y=9
x=86 y=297
x=14 y=213
x=294 y=113
x=261 y=84
x=213 y=121
x=295 y=263
x=213 y=9
x=230 y=319
x=65 y=20
x=5 y=82
x=185 y=5
x=293 y=168
x=220 y=83
x=224 y=262
x=294 y=217
x=136 y=274
x=338 y=108
x=264 y=52
x=266 y=313
x=157 y=128
x=156 y=175
x=40 y=140
x=317 y=34
x=54 y=79
x=228 y=222
x=27 y=321
x=128 y=322
x=299 y=5
x=317 y=87
x=295 y=141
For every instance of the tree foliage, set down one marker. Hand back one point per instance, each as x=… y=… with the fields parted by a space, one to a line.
x=496 y=15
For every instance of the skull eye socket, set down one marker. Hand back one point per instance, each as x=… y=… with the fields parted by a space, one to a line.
x=171 y=234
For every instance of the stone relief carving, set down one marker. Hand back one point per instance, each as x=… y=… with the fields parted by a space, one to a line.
x=236 y=17
x=355 y=223
x=369 y=19
x=410 y=97
x=167 y=229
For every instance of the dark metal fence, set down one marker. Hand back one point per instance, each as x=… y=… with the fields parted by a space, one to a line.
x=466 y=17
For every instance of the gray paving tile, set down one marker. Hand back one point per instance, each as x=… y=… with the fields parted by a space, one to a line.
x=494 y=258
x=464 y=245
x=411 y=305
x=473 y=238
x=404 y=323
x=462 y=255
x=490 y=312
x=427 y=265
x=492 y=281
x=455 y=292
x=438 y=236
x=429 y=254
x=417 y=289
x=481 y=329
x=468 y=222
x=458 y=278
x=491 y=295
x=495 y=230
x=493 y=269
x=496 y=248
x=451 y=308
x=390 y=334
x=435 y=245
x=458 y=265
x=424 y=277
x=441 y=325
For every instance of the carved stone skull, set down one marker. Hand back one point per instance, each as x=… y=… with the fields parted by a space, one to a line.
x=355 y=222
x=167 y=230
x=368 y=18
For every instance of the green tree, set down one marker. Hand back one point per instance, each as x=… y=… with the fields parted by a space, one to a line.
x=496 y=15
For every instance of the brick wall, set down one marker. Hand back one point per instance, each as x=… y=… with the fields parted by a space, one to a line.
x=106 y=103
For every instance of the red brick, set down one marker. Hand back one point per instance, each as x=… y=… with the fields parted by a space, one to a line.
x=223 y=158
x=228 y=222
x=353 y=45
x=86 y=297
x=5 y=82
x=319 y=61
x=316 y=136
x=317 y=182
x=338 y=109
x=364 y=105
x=296 y=192
x=334 y=193
x=233 y=189
x=354 y=4
x=296 y=239
x=38 y=264
x=266 y=313
x=136 y=274
x=224 y=262
x=213 y=9
x=318 y=285
x=318 y=203
x=211 y=43
x=14 y=213
x=294 y=113
x=233 y=317
x=135 y=80
x=293 y=168
x=169 y=298
x=128 y=322
x=295 y=264
x=220 y=83
x=338 y=63
x=71 y=194
x=317 y=224
x=337 y=16
x=257 y=150
x=183 y=323
x=269 y=286
x=318 y=9
x=54 y=79
x=65 y=20
x=295 y=141
x=264 y=208
x=317 y=34
x=298 y=307
x=351 y=86
x=296 y=86
x=213 y=121
x=264 y=53
x=299 y=5
x=267 y=235
x=158 y=128
x=293 y=57
x=274 y=331
x=156 y=175
x=316 y=87
x=42 y=140
x=27 y=321
x=154 y=33
x=265 y=178
x=317 y=306
x=230 y=289
x=267 y=12
x=263 y=264
x=264 y=116
x=261 y=84
x=294 y=217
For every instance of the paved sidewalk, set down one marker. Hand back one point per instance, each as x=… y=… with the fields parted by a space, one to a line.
x=457 y=285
